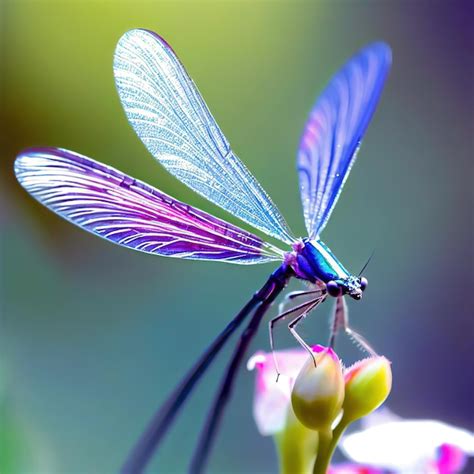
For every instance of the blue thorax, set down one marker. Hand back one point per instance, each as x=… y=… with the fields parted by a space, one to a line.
x=315 y=262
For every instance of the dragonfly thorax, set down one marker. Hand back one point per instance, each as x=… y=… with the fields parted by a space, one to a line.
x=312 y=260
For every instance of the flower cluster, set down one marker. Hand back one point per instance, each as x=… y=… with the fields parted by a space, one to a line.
x=313 y=402
x=308 y=410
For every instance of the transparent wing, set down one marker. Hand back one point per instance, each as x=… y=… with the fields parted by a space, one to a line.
x=125 y=211
x=334 y=130
x=169 y=115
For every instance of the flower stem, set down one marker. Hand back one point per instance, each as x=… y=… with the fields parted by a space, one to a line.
x=324 y=452
x=296 y=446
x=327 y=446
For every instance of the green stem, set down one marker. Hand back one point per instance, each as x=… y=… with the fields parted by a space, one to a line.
x=296 y=446
x=324 y=452
x=327 y=446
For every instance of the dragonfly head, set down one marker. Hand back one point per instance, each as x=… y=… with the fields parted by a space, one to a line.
x=352 y=286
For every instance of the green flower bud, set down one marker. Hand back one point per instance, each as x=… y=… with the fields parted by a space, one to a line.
x=368 y=384
x=318 y=392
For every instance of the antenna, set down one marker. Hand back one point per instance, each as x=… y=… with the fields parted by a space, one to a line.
x=367 y=262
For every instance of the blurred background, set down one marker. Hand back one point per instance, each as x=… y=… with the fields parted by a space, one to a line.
x=95 y=336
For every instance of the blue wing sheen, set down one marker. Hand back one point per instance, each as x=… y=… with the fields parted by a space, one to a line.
x=169 y=115
x=334 y=130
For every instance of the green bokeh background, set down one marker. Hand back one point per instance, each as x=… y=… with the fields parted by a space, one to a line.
x=95 y=336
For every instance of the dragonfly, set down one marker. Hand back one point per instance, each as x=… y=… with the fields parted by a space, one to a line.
x=169 y=115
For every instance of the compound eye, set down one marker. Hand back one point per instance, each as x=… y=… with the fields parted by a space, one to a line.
x=333 y=288
x=363 y=283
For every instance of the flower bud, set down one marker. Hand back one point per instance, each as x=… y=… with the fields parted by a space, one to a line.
x=296 y=445
x=318 y=392
x=368 y=383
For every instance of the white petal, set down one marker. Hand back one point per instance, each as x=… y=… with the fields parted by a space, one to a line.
x=404 y=445
x=270 y=410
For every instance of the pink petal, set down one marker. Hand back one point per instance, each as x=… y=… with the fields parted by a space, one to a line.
x=272 y=399
x=349 y=468
x=450 y=459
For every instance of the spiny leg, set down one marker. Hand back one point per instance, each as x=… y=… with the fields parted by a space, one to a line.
x=318 y=291
x=293 y=295
x=306 y=307
x=340 y=320
x=292 y=327
x=361 y=341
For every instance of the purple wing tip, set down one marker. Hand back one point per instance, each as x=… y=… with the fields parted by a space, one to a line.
x=28 y=153
x=23 y=162
x=47 y=150
x=40 y=150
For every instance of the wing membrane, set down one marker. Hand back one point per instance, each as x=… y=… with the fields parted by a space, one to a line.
x=334 y=130
x=169 y=115
x=125 y=211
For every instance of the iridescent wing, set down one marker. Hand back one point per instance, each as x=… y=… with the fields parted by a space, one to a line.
x=125 y=211
x=169 y=115
x=334 y=130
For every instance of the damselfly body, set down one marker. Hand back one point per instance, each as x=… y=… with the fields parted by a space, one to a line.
x=167 y=112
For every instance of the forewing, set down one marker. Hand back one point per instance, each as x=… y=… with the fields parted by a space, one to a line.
x=125 y=211
x=334 y=130
x=169 y=115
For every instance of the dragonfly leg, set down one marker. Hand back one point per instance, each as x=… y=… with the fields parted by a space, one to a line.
x=361 y=341
x=318 y=290
x=292 y=327
x=307 y=306
x=340 y=320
